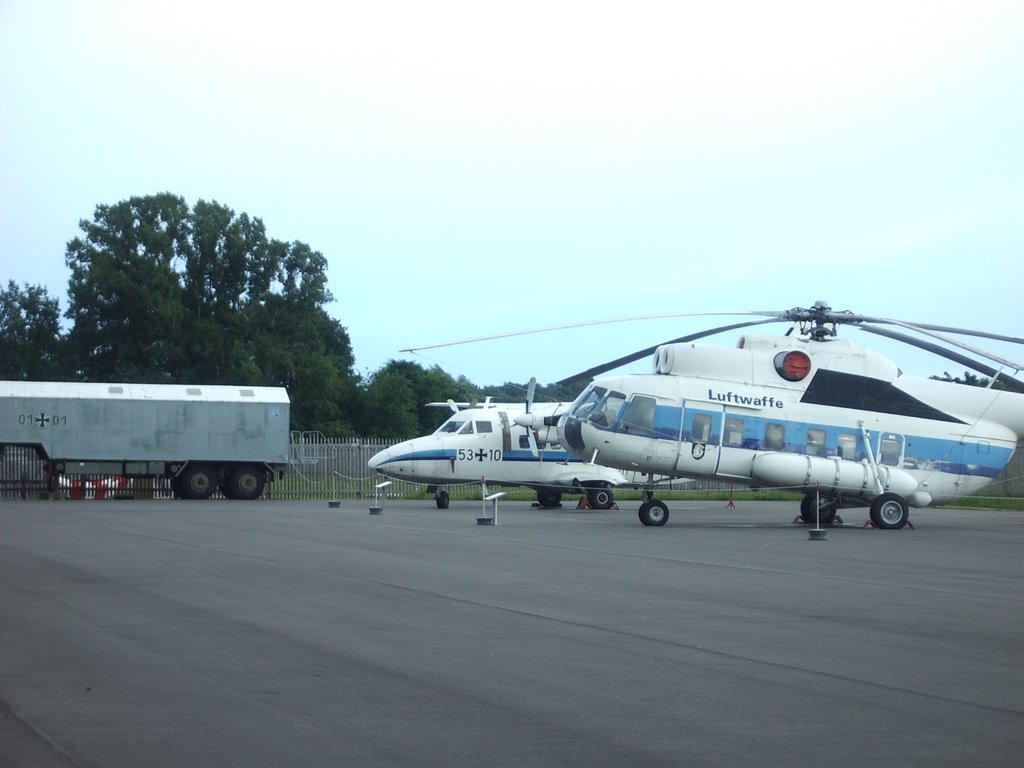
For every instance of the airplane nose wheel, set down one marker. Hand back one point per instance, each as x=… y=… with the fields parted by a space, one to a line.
x=442 y=499
x=653 y=512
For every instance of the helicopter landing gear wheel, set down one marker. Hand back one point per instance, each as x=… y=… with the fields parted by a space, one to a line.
x=653 y=512
x=442 y=499
x=600 y=498
x=826 y=511
x=889 y=511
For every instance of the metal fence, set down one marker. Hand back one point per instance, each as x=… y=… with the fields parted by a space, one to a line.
x=334 y=468
x=320 y=468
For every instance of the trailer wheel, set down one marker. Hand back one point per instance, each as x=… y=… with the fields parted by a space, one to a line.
x=245 y=483
x=197 y=482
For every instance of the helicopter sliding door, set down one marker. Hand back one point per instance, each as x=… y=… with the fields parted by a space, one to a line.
x=700 y=441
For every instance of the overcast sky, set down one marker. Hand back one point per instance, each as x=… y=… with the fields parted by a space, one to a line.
x=472 y=168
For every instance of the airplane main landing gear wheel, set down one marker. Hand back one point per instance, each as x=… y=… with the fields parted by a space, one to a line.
x=549 y=499
x=442 y=500
x=889 y=511
x=653 y=512
x=600 y=498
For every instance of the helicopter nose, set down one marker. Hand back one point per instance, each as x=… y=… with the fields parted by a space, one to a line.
x=570 y=432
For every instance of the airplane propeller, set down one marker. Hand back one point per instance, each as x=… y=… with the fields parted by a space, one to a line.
x=531 y=389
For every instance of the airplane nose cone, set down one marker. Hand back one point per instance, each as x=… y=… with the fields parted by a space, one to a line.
x=378 y=459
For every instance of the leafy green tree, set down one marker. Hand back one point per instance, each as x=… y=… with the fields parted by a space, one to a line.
x=161 y=292
x=31 y=344
x=971 y=379
x=124 y=296
x=412 y=415
x=389 y=407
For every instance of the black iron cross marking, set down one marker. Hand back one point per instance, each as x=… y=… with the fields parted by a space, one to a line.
x=42 y=419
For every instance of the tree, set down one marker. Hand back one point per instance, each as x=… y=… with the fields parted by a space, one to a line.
x=161 y=292
x=389 y=407
x=30 y=336
x=412 y=387
x=124 y=296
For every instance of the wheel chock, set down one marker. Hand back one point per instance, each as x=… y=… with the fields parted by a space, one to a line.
x=870 y=525
x=585 y=504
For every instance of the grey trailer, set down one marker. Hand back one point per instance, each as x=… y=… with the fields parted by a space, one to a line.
x=202 y=437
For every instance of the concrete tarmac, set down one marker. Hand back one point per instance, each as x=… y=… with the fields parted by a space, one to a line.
x=268 y=633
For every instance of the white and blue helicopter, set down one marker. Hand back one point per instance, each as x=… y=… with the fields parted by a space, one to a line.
x=807 y=412
x=484 y=443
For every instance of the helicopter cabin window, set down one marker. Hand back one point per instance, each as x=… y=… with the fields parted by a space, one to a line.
x=483 y=427
x=848 y=447
x=700 y=431
x=890 y=450
x=774 y=437
x=815 y=442
x=638 y=418
x=734 y=432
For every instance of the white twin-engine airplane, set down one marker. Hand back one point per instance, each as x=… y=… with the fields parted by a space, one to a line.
x=837 y=422
x=484 y=443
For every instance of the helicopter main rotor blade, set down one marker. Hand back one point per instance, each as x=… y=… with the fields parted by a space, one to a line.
x=570 y=326
x=1012 y=384
x=1016 y=366
x=631 y=358
x=822 y=313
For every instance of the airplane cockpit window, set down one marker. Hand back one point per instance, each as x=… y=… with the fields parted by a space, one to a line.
x=484 y=426
x=454 y=424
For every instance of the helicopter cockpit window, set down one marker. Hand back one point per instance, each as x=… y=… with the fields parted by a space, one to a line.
x=454 y=424
x=700 y=432
x=638 y=418
x=586 y=402
x=890 y=450
x=607 y=410
x=483 y=427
